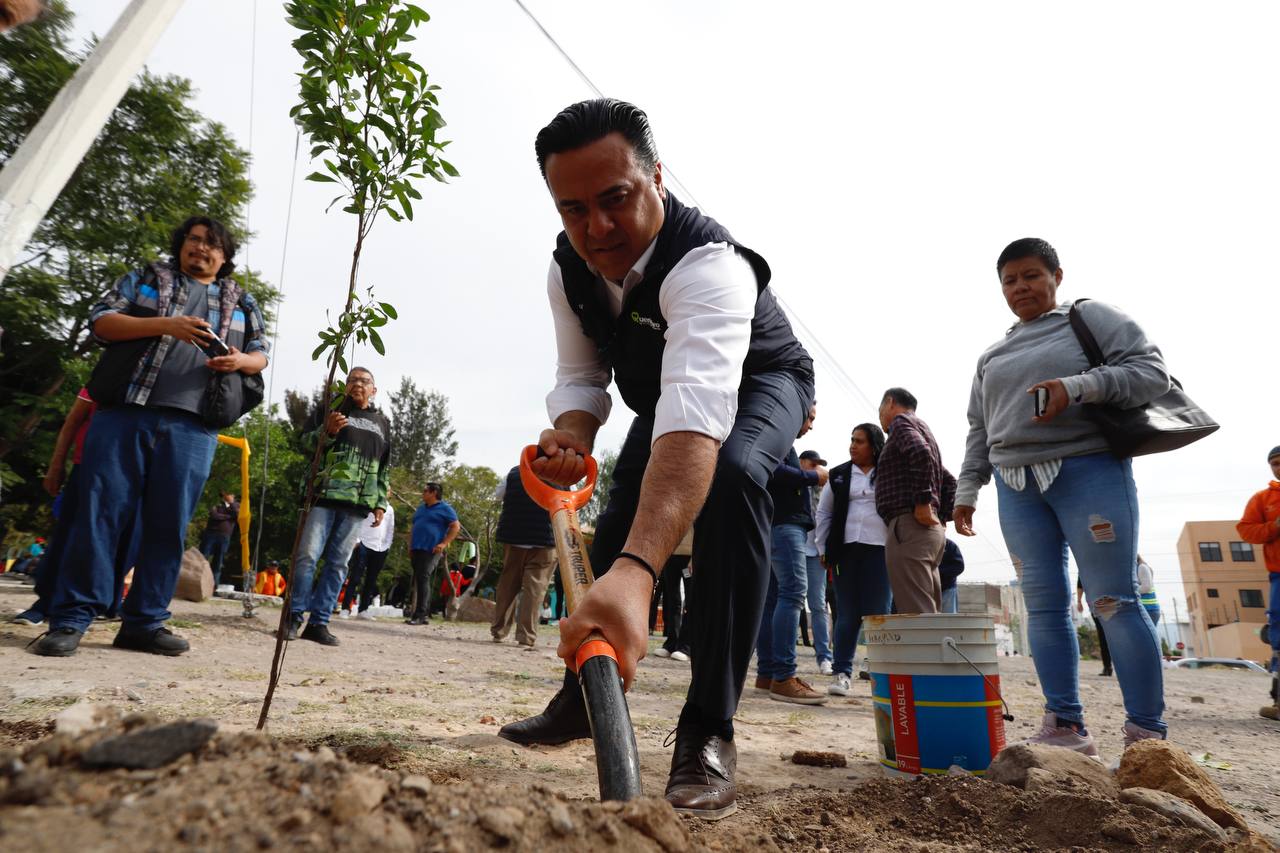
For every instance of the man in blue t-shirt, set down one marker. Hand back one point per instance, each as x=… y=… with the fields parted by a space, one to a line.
x=435 y=525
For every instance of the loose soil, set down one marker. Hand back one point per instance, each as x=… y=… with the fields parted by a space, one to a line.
x=408 y=717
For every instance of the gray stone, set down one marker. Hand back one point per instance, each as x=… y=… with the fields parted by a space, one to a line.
x=1174 y=808
x=502 y=821
x=1072 y=768
x=561 y=822
x=195 y=578
x=356 y=795
x=151 y=747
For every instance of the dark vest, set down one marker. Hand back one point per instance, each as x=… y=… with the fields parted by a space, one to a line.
x=839 y=481
x=522 y=522
x=632 y=345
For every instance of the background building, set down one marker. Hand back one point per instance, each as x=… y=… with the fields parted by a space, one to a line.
x=1227 y=590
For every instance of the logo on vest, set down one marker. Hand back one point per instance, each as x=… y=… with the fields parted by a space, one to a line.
x=645 y=321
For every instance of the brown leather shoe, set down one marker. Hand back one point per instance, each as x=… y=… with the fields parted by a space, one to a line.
x=1271 y=712
x=763 y=684
x=796 y=691
x=701 y=782
x=564 y=719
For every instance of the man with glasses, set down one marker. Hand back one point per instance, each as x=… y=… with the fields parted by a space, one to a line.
x=356 y=474
x=147 y=457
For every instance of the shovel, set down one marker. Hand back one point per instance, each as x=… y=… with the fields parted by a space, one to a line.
x=596 y=662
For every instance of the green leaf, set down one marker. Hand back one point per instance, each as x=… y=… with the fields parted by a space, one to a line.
x=448 y=168
x=318 y=350
x=376 y=340
x=321 y=177
x=389 y=310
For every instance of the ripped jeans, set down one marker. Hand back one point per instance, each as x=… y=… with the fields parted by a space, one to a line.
x=1092 y=507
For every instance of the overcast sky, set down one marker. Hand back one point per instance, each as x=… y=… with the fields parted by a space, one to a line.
x=880 y=155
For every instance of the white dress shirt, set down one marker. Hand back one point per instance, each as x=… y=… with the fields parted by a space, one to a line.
x=862 y=524
x=379 y=538
x=708 y=301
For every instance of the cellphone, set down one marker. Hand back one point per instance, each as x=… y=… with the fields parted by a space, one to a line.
x=214 y=347
x=1042 y=401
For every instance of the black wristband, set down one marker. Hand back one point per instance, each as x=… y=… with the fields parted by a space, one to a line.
x=643 y=563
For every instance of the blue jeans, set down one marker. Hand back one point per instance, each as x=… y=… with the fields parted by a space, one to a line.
x=951 y=600
x=788 y=565
x=140 y=465
x=1092 y=507
x=214 y=548
x=862 y=589
x=330 y=534
x=819 y=619
x=1273 y=621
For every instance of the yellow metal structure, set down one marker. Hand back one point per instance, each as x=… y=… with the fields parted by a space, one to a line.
x=245 y=515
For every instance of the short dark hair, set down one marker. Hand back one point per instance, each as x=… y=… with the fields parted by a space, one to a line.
x=588 y=121
x=436 y=489
x=359 y=369
x=216 y=230
x=1029 y=247
x=902 y=397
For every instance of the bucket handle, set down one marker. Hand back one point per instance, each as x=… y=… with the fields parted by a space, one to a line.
x=948 y=642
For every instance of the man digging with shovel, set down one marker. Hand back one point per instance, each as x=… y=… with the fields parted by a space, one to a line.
x=661 y=299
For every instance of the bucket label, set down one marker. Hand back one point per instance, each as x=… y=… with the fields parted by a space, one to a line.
x=872 y=638
x=902 y=712
x=995 y=716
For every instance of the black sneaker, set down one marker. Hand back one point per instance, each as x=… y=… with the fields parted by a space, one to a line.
x=161 y=641
x=319 y=634
x=295 y=625
x=419 y=620
x=58 y=642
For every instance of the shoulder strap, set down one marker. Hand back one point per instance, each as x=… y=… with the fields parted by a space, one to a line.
x=1087 y=341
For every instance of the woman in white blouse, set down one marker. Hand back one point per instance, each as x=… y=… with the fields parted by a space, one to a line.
x=850 y=538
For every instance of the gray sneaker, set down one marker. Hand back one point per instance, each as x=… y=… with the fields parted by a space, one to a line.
x=1052 y=734
x=841 y=685
x=1134 y=733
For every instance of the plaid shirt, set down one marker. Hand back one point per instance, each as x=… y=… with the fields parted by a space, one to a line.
x=910 y=472
x=139 y=293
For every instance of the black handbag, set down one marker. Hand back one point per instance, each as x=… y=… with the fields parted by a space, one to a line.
x=228 y=396
x=1168 y=422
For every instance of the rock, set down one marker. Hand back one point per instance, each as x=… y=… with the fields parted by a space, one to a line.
x=195 y=578
x=474 y=609
x=295 y=820
x=151 y=747
x=1162 y=766
x=656 y=819
x=357 y=794
x=1175 y=808
x=502 y=821
x=133 y=695
x=83 y=717
x=1069 y=767
x=416 y=783
x=561 y=822
x=1120 y=831
x=325 y=755
x=384 y=832
x=1197 y=700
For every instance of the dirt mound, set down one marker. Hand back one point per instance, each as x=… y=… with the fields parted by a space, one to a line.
x=950 y=813
x=20 y=731
x=246 y=791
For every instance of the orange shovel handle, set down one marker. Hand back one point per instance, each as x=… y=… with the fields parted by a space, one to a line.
x=549 y=498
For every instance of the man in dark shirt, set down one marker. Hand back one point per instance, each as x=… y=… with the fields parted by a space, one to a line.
x=914 y=495
x=790 y=487
x=217 y=532
x=950 y=570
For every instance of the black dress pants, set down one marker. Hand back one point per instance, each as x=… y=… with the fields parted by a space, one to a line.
x=731 y=540
x=362 y=576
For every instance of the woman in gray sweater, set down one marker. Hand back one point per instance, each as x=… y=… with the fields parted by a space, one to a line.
x=1058 y=486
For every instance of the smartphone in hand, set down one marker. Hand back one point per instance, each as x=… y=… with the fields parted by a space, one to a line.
x=214 y=346
x=1041 y=401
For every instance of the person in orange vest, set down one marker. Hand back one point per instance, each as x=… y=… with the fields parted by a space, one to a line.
x=1260 y=525
x=270 y=581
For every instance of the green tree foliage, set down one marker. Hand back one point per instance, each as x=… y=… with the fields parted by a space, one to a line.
x=469 y=490
x=155 y=162
x=422 y=442
x=590 y=513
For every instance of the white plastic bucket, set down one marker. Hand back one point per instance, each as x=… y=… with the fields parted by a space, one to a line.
x=936 y=688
